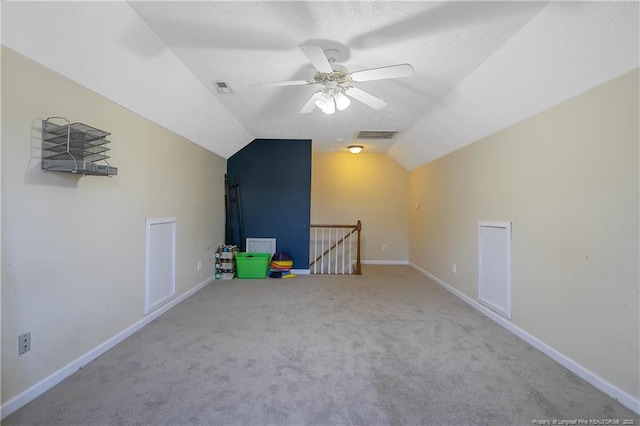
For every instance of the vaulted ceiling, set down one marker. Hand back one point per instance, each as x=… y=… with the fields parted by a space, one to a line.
x=479 y=66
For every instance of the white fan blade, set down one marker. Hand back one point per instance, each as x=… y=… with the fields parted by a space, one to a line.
x=317 y=57
x=393 y=71
x=311 y=103
x=283 y=83
x=365 y=97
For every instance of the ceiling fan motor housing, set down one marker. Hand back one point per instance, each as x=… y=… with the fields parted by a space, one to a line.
x=338 y=76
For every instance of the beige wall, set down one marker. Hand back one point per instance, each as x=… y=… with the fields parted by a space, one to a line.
x=370 y=187
x=566 y=178
x=73 y=247
x=568 y=181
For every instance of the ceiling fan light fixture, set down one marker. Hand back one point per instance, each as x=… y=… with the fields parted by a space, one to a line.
x=326 y=104
x=342 y=102
x=355 y=149
x=335 y=78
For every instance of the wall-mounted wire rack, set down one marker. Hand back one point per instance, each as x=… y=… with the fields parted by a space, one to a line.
x=75 y=148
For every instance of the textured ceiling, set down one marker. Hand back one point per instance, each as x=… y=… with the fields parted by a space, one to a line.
x=249 y=42
x=479 y=66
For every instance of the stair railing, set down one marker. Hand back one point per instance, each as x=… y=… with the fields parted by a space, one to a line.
x=339 y=241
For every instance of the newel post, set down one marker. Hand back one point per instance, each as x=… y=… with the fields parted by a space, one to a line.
x=358 y=270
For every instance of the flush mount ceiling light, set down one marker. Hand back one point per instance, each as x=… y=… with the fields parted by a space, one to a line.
x=355 y=149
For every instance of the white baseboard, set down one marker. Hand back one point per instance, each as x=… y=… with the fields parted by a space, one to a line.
x=300 y=271
x=385 y=262
x=597 y=381
x=47 y=383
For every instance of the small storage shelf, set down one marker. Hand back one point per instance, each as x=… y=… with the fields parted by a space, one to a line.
x=226 y=262
x=74 y=148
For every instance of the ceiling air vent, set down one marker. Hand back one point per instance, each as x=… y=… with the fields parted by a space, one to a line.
x=376 y=134
x=222 y=87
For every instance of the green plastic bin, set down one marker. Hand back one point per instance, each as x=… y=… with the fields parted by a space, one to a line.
x=252 y=265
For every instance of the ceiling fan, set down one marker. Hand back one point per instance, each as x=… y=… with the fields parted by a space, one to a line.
x=336 y=80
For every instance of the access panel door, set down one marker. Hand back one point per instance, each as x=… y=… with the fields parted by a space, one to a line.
x=495 y=266
x=160 y=284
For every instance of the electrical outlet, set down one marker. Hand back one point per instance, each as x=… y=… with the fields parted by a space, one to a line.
x=199 y=266
x=24 y=343
x=384 y=247
x=454 y=269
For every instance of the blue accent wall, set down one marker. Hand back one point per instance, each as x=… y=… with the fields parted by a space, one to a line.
x=275 y=194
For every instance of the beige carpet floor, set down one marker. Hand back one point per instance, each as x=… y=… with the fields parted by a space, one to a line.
x=386 y=348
